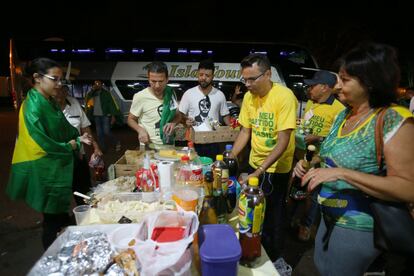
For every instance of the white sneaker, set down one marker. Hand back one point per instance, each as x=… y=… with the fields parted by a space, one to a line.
x=282 y=267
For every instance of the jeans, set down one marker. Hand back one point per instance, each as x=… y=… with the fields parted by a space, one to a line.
x=103 y=129
x=314 y=211
x=274 y=186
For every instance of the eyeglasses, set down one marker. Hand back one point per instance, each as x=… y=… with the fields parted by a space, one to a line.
x=55 y=79
x=252 y=79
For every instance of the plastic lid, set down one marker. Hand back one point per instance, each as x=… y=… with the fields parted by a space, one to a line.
x=206 y=160
x=229 y=147
x=219 y=157
x=253 y=181
x=185 y=158
x=211 y=251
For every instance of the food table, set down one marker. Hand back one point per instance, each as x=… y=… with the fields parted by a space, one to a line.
x=264 y=266
x=94 y=222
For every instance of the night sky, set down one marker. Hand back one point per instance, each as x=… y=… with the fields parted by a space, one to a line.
x=327 y=28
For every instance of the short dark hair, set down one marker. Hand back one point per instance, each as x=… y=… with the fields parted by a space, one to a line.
x=157 y=67
x=207 y=64
x=41 y=65
x=376 y=67
x=260 y=59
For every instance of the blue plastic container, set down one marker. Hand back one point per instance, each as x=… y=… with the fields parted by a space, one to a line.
x=220 y=250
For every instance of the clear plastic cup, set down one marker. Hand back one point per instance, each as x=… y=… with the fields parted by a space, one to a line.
x=81 y=214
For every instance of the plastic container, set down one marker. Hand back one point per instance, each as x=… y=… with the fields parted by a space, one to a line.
x=124 y=237
x=218 y=258
x=134 y=206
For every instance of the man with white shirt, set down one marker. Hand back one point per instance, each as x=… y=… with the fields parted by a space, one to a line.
x=204 y=102
x=77 y=118
x=153 y=111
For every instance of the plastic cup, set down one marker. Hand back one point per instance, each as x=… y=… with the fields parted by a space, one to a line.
x=186 y=199
x=81 y=213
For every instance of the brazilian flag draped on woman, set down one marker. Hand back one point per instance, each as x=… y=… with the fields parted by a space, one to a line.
x=42 y=165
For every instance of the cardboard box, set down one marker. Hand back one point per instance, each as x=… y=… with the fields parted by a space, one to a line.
x=222 y=134
x=122 y=168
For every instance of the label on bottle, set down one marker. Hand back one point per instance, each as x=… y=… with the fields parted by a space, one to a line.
x=250 y=219
x=244 y=222
x=258 y=217
x=224 y=179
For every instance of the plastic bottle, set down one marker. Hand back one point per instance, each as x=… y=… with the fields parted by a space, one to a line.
x=297 y=192
x=221 y=172
x=252 y=205
x=208 y=213
x=146 y=177
x=190 y=173
x=233 y=166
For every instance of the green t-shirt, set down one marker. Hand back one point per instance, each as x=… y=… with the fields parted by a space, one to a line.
x=355 y=151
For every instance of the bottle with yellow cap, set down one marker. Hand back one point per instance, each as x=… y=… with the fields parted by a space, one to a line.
x=252 y=205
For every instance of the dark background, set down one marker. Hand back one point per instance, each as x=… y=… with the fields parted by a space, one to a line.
x=327 y=28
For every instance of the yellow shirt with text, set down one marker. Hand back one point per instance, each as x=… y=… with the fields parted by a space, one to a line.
x=322 y=115
x=266 y=116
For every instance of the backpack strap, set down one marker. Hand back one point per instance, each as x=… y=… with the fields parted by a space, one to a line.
x=379 y=139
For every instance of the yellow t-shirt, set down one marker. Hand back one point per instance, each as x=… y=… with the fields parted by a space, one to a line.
x=266 y=117
x=322 y=115
x=148 y=109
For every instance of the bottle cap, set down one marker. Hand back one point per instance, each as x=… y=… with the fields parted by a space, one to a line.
x=253 y=181
x=219 y=157
x=229 y=147
x=185 y=158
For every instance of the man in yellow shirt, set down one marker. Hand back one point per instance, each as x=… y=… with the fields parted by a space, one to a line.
x=320 y=113
x=268 y=118
x=322 y=106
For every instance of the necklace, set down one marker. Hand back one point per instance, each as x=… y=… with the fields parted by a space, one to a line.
x=354 y=125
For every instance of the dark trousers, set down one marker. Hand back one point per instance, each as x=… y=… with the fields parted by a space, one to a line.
x=274 y=186
x=208 y=150
x=81 y=178
x=52 y=225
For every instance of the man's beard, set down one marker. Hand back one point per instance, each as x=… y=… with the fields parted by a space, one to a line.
x=205 y=84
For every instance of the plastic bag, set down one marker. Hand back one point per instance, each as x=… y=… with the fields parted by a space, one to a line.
x=97 y=164
x=166 y=258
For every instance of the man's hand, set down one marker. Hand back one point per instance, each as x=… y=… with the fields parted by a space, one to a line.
x=97 y=151
x=312 y=139
x=189 y=122
x=169 y=128
x=143 y=136
x=86 y=138
x=113 y=120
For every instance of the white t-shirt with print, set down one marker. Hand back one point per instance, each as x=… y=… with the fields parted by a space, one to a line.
x=76 y=116
x=198 y=106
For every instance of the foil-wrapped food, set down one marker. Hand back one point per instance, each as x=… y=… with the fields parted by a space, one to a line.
x=83 y=254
